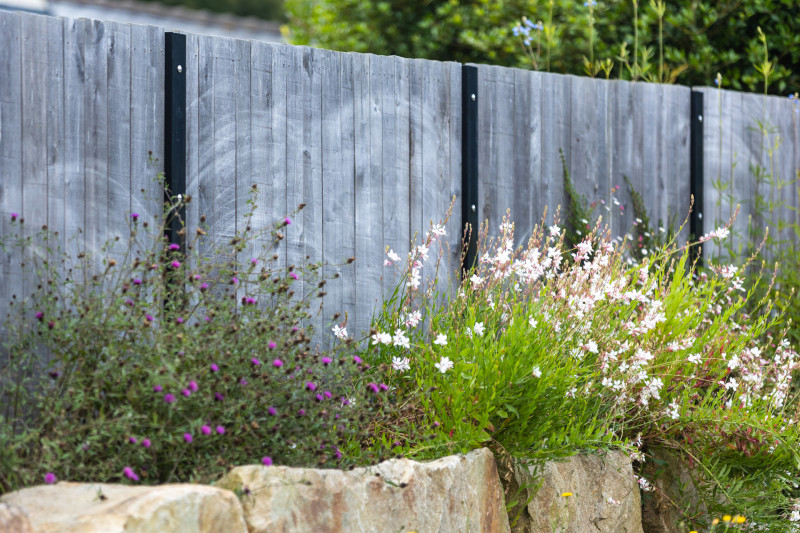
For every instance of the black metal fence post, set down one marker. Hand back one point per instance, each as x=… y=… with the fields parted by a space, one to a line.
x=696 y=168
x=469 y=163
x=175 y=129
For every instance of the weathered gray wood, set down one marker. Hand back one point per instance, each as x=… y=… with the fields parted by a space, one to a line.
x=584 y=163
x=780 y=112
x=118 y=58
x=192 y=134
x=415 y=142
x=556 y=120
x=650 y=184
x=243 y=153
x=206 y=171
x=368 y=248
x=347 y=281
x=261 y=131
x=675 y=116
x=454 y=225
x=55 y=135
x=750 y=139
x=278 y=145
x=335 y=189
x=295 y=100
x=10 y=153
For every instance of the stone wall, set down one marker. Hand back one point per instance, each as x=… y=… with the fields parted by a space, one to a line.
x=458 y=494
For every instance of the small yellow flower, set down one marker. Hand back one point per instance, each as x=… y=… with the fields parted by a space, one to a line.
x=739 y=519
x=726 y=518
x=693 y=531
x=715 y=522
x=566 y=494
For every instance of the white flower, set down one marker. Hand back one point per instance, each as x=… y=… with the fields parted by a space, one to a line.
x=532 y=322
x=412 y=319
x=387 y=263
x=695 y=358
x=479 y=329
x=340 y=332
x=536 y=372
x=555 y=231
x=672 y=412
x=401 y=340
x=437 y=230
x=734 y=362
x=393 y=256
x=644 y=484
x=414 y=279
x=382 y=338
x=571 y=392
x=401 y=364
x=590 y=346
x=476 y=281
x=441 y=339
x=444 y=364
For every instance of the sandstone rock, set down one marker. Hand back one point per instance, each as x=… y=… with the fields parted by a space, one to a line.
x=453 y=494
x=604 y=496
x=106 y=508
x=14 y=519
x=673 y=479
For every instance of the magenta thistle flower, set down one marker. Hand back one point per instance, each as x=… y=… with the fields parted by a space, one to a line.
x=135 y=216
x=146 y=443
x=186 y=392
x=218 y=397
x=206 y=430
x=169 y=398
x=129 y=302
x=149 y=318
x=255 y=361
x=328 y=395
x=294 y=275
x=373 y=387
x=272 y=411
x=242 y=382
x=277 y=363
x=193 y=386
x=384 y=387
x=267 y=461
x=187 y=437
x=301 y=412
x=39 y=316
x=254 y=261
x=234 y=280
x=130 y=474
x=174 y=246
x=197 y=277
x=338 y=453
x=287 y=221
x=214 y=367
x=157 y=388
x=311 y=386
x=220 y=430
x=14 y=216
x=326 y=360
x=319 y=397
x=272 y=345
x=176 y=264
x=49 y=478
x=179 y=320
x=356 y=359
x=204 y=286
x=137 y=281
x=132 y=440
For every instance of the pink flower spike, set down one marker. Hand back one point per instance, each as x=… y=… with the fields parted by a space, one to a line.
x=133 y=440
x=326 y=360
x=135 y=216
x=277 y=363
x=272 y=345
x=293 y=275
x=254 y=261
x=356 y=359
x=234 y=280
x=186 y=392
x=214 y=367
x=287 y=221
x=255 y=361
x=169 y=398
x=176 y=264
x=130 y=474
x=311 y=386
x=220 y=430
x=187 y=437
x=157 y=388
x=206 y=430
x=272 y=411
x=193 y=386
x=267 y=461
x=174 y=246
x=49 y=478
x=146 y=443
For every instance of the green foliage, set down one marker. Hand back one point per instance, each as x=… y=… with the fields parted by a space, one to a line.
x=173 y=367
x=579 y=214
x=539 y=356
x=685 y=41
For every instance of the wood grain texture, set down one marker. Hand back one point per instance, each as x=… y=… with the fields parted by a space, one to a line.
x=556 y=122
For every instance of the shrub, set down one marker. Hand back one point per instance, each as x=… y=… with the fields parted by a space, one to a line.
x=544 y=351
x=168 y=367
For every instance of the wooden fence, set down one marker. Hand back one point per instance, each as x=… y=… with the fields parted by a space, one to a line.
x=371 y=144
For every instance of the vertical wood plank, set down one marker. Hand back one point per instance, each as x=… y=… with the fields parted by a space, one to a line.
x=583 y=162
x=346 y=215
x=261 y=131
x=243 y=151
x=415 y=148
x=454 y=225
x=206 y=171
x=649 y=184
x=295 y=101
x=56 y=193
x=278 y=143
x=605 y=150
x=192 y=138
x=118 y=128
x=74 y=150
x=10 y=152
x=556 y=120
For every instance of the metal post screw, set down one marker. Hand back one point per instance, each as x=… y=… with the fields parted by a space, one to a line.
x=473 y=208
x=473 y=97
x=700 y=118
x=180 y=69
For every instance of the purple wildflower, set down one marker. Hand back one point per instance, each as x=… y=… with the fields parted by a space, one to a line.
x=311 y=386
x=356 y=359
x=129 y=302
x=169 y=398
x=206 y=430
x=242 y=382
x=197 y=277
x=328 y=395
x=186 y=392
x=175 y=264
x=326 y=360
x=157 y=388
x=49 y=478
x=271 y=410
x=193 y=386
x=319 y=397
x=287 y=221
x=218 y=397
x=135 y=216
x=132 y=440
x=254 y=261
x=293 y=275
x=137 y=281
x=301 y=412
x=14 y=216
x=277 y=363
x=188 y=437
x=204 y=286
x=220 y=430
x=255 y=361
x=130 y=474
x=174 y=246
x=234 y=280
x=214 y=367
x=39 y=316
x=146 y=443
x=384 y=387
x=272 y=345
x=267 y=461
x=149 y=318
x=179 y=320
x=373 y=387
